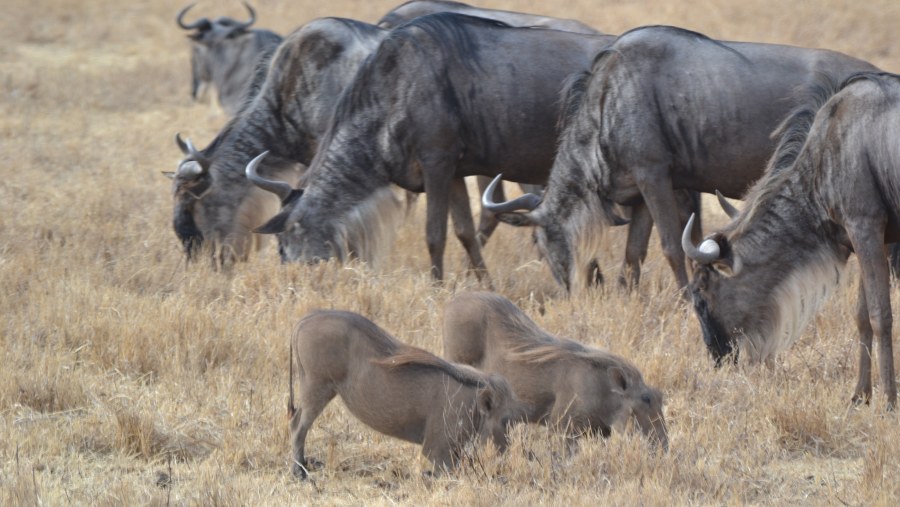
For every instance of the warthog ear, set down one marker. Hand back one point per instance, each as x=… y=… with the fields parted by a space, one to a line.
x=485 y=400
x=618 y=380
x=276 y=224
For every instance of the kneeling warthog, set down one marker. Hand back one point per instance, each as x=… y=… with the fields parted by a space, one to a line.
x=563 y=383
x=399 y=390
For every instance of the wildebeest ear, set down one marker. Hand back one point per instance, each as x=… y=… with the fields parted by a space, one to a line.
x=276 y=224
x=618 y=379
x=169 y=174
x=518 y=219
x=485 y=400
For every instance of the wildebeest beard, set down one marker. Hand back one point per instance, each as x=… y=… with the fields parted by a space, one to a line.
x=187 y=231
x=718 y=341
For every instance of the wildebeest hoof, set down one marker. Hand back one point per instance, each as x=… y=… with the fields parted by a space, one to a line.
x=301 y=471
x=859 y=399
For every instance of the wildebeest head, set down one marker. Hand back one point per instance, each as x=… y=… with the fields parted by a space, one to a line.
x=759 y=281
x=207 y=44
x=210 y=212
x=557 y=237
x=312 y=229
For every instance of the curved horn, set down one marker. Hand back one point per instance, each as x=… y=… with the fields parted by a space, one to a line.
x=708 y=251
x=186 y=146
x=729 y=210
x=195 y=24
x=247 y=24
x=279 y=188
x=527 y=202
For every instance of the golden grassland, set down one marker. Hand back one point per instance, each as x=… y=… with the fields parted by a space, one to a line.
x=130 y=378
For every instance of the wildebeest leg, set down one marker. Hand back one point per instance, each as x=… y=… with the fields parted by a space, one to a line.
x=660 y=200
x=313 y=399
x=863 y=391
x=867 y=239
x=436 y=211
x=464 y=227
x=636 y=245
x=487 y=221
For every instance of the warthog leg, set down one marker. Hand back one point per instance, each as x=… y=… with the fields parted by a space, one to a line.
x=313 y=400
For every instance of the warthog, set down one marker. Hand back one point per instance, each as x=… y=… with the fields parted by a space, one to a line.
x=399 y=390
x=562 y=382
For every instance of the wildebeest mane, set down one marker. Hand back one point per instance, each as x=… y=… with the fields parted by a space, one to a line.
x=408 y=356
x=868 y=76
x=270 y=41
x=573 y=89
x=697 y=36
x=791 y=134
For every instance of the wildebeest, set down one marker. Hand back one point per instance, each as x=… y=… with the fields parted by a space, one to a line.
x=443 y=97
x=832 y=188
x=417 y=8
x=562 y=382
x=214 y=201
x=399 y=390
x=665 y=108
x=225 y=53
x=308 y=73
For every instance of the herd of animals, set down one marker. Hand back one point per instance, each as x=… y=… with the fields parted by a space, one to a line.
x=604 y=131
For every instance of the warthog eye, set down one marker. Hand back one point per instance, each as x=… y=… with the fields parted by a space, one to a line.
x=646 y=398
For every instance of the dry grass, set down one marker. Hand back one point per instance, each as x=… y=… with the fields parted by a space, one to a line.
x=129 y=379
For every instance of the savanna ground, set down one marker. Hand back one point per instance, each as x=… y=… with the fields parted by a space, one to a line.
x=130 y=378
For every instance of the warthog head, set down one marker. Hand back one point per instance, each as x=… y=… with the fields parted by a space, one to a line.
x=498 y=409
x=644 y=403
x=207 y=43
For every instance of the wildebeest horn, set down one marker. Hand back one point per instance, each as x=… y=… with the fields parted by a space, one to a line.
x=247 y=24
x=526 y=202
x=279 y=188
x=707 y=253
x=729 y=210
x=195 y=24
x=186 y=146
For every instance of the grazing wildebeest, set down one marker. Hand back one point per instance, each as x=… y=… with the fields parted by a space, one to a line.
x=487 y=222
x=832 y=188
x=563 y=383
x=399 y=390
x=225 y=53
x=443 y=97
x=665 y=108
x=214 y=201
x=308 y=73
